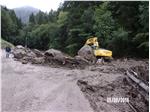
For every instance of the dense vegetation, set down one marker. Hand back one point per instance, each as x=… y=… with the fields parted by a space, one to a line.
x=122 y=27
x=5 y=44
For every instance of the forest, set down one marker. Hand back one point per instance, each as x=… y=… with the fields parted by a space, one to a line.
x=122 y=27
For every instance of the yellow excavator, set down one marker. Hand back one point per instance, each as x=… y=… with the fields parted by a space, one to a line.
x=99 y=53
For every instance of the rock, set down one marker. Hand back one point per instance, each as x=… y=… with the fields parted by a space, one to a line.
x=54 y=53
x=82 y=82
x=38 y=53
x=81 y=60
x=85 y=86
x=56 y=57
x=24 y=61
x=31 y=54
x=38 y=60
x=19 y=53
x=28 y=59
x=87 y=53
x=20 y=47
x=50 y=57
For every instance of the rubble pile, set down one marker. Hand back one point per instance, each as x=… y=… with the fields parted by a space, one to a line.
x=138 y=78
x=49 y=57
x=142 y=72
x=55 y=57
x=26 y=55
x=98 y=94
x=112 y=81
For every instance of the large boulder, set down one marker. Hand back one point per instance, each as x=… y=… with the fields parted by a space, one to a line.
x=20 y=47
x=38 y=60
x=30 y=54
x=87 y=53
x=19 y=53
x=56 y=54
x=81 y=60
x=24 y=61
x=38 y=53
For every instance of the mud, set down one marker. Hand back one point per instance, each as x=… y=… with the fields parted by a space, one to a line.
x=26 y=87
x=142 y=72
x=112 y=83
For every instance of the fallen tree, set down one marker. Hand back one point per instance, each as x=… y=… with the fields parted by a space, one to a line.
x=138 y=84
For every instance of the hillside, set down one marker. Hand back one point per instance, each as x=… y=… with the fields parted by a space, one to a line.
x=5 y=43
x=25 y=12
x=119 y=26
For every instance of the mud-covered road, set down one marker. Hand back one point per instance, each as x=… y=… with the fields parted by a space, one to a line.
x=37 y=88
x=29 y=88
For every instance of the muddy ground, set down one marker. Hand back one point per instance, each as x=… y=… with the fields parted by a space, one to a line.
x=28 y=87
x=111 y=82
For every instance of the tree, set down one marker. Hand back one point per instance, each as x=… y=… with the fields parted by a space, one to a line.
x=120 y=26
x=52 y=16
x=141 y=40
x=104 y=23
x=6 y=23
x=78 y=26
x=10 y=24
x=32 y=19
x=119 y=43
x=41 y=18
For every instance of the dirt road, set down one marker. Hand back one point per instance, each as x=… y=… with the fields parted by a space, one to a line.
x=30 y=88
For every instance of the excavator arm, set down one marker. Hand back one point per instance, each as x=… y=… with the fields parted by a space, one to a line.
x=93 y=42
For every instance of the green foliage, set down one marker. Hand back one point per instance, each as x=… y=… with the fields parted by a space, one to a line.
x=32 y=19
x=119 y=43
x=42 y=37
x=52 y=16
x=41 y=18
x=133 y=16
x=5 y=44
x=104 y=23
x=141 y=39
x=62 y=17
x=6 y=23
x=120 y=26
x=10 y=25
x=144 y=15
x=126 y=14
x=71 y=48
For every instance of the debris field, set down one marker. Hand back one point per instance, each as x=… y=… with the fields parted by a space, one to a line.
x=123 y=78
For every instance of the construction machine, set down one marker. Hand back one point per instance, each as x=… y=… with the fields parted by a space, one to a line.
x=99 y=53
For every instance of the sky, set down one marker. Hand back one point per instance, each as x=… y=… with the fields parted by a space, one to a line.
x=43 y=5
